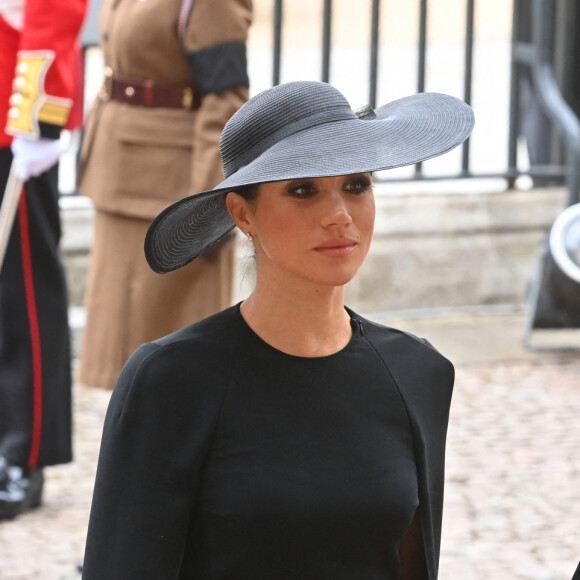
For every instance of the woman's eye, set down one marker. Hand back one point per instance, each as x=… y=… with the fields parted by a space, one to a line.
x=301 y=190
x=358 y=185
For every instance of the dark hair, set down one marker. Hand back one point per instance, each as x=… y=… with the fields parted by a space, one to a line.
x=248 y=192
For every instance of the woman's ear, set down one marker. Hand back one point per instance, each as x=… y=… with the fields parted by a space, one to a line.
x=240 y=211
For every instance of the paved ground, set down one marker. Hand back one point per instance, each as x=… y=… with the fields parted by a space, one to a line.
x=512 y=496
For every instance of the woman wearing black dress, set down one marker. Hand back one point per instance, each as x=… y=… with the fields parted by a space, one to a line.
x=286 y=437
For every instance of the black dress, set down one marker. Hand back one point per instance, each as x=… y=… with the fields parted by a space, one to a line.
x=224 y=458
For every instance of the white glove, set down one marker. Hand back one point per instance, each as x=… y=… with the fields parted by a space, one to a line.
x=31 y=158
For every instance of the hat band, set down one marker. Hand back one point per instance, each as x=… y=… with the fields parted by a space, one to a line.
x=341 y=113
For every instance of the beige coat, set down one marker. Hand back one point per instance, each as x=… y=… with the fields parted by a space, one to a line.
x=137 y=160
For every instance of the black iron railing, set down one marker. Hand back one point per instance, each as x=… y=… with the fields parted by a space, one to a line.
x=531 y=55
x=535 y=55
x=422 y=49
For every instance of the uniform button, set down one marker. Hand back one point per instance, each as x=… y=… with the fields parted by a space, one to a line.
x=15 y=99
x=14 y=113
x=22 y=68
x=19 y=82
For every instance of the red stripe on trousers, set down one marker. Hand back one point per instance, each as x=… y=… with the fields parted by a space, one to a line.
x=34 y=333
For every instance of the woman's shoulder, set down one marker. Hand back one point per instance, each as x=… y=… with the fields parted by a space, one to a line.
x=422 y=374
x=384 y=336
x=413 y=362
x=220 y=329
x=187 y=360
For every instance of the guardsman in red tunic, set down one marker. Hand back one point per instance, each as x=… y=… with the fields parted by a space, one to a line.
x=39 y=80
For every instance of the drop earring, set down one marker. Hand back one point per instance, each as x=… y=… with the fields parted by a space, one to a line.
x=250 y=238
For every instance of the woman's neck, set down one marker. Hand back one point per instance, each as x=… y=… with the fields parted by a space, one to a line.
x=309 y=323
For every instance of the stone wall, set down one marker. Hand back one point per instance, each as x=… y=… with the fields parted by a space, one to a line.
x=449 y=250
x=77 y=236
x=430 y=249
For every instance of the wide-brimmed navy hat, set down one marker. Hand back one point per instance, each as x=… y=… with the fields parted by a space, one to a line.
x=304 y=129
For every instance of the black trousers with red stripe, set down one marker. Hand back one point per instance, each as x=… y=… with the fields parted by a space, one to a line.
x=35 y=369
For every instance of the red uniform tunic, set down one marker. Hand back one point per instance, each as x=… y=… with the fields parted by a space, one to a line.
x=39 y=66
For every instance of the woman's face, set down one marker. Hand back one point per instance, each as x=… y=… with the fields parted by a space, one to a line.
x=315 y=229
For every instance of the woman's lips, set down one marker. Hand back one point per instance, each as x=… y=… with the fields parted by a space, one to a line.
x=337 y=248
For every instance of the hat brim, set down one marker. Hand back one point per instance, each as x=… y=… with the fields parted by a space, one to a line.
x=404 y=132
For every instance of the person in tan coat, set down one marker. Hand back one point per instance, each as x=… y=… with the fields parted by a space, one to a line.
x=175 y=73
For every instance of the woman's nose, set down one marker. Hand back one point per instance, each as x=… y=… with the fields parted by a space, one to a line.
x=336 y=211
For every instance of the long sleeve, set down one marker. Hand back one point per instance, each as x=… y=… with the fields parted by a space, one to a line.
x=157 y=431
x=46 y=74
x=215 y=44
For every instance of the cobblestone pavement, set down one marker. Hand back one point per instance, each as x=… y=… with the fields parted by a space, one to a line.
x=512 y=496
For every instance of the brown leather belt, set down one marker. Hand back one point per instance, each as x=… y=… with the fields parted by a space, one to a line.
x=146 y=93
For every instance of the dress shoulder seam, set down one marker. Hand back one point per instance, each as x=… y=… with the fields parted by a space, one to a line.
x=226 y=390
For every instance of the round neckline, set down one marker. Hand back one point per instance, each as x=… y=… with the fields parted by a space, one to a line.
x=356 y=334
